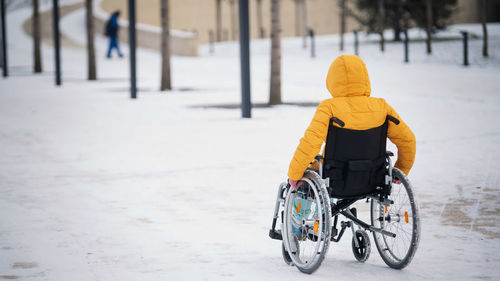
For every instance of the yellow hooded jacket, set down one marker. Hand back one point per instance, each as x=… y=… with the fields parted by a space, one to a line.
x=349 y=85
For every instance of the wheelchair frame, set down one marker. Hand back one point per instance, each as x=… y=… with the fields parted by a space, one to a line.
x=381 y=205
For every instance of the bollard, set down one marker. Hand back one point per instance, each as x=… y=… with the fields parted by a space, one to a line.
x=406 y=42
x=356 y=43
x=57 y=45
x=132 y=44
x=246 y=104
x=211 y=41
x=466 y=49
x=313 y=46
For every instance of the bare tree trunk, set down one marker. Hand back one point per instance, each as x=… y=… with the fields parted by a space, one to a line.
x=275 y=88
x=234 y=27
x=396 y=24
x=428 y=8
x=484 y=4
x=218 y=20
x=165 y=47
x=297 y=18
x=304 y=24
x=37 y=57
x=381 y=21
x=259 y=19
x=90 y=41
x=342 y=23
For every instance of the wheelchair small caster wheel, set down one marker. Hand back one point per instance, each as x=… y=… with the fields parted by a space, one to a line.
x=362 y=252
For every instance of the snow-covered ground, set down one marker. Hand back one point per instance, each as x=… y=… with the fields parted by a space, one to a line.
x=96 y=186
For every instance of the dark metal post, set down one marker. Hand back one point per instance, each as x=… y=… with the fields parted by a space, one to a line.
x=466 y=49
x=57 y=45
x=211 y=41
x=313 y=46
x=407 y=59
x=246 y=105
x=5 y=68
x=132 y=43
x=356 y=43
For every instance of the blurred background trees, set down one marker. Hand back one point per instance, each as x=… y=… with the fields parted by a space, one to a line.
x=395 y=11
x=441 y=11
x=430 y=15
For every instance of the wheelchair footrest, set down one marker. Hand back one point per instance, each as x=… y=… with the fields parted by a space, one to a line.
x=344 y=225
x=334 y=232
x=275 y=234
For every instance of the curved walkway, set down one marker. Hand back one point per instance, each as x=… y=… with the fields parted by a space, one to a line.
x=46 y=24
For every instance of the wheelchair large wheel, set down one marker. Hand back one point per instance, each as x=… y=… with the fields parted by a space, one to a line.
x=400 y=218
x=306 y=223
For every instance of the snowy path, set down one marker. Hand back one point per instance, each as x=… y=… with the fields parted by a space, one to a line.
x=94 y=186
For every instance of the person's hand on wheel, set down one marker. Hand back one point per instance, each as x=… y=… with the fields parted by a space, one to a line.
x=396 y=180
x=295 y=184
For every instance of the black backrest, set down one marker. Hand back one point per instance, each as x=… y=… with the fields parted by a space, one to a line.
x=355 y=160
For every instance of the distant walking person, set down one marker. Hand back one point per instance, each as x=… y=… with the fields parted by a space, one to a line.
x=112 y=29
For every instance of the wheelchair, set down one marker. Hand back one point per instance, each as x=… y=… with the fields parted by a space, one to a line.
x=355 y=166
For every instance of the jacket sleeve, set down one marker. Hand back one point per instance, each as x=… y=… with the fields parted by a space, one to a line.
x=404 y=139
x=310 y=144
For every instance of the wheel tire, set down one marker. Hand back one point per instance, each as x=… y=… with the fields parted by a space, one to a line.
x=361 y=253
x=381 y=241
x=286 y=256
x=321 y=197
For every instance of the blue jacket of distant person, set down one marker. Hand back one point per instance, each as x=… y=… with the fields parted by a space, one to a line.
x=112 y=26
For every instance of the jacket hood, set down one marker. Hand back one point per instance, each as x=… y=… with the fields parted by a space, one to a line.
x=348 y=77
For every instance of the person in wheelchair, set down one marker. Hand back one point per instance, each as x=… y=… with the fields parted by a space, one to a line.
x=353 y=127
x=351 y=103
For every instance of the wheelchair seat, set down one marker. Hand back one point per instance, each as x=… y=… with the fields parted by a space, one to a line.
x=355 y=161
